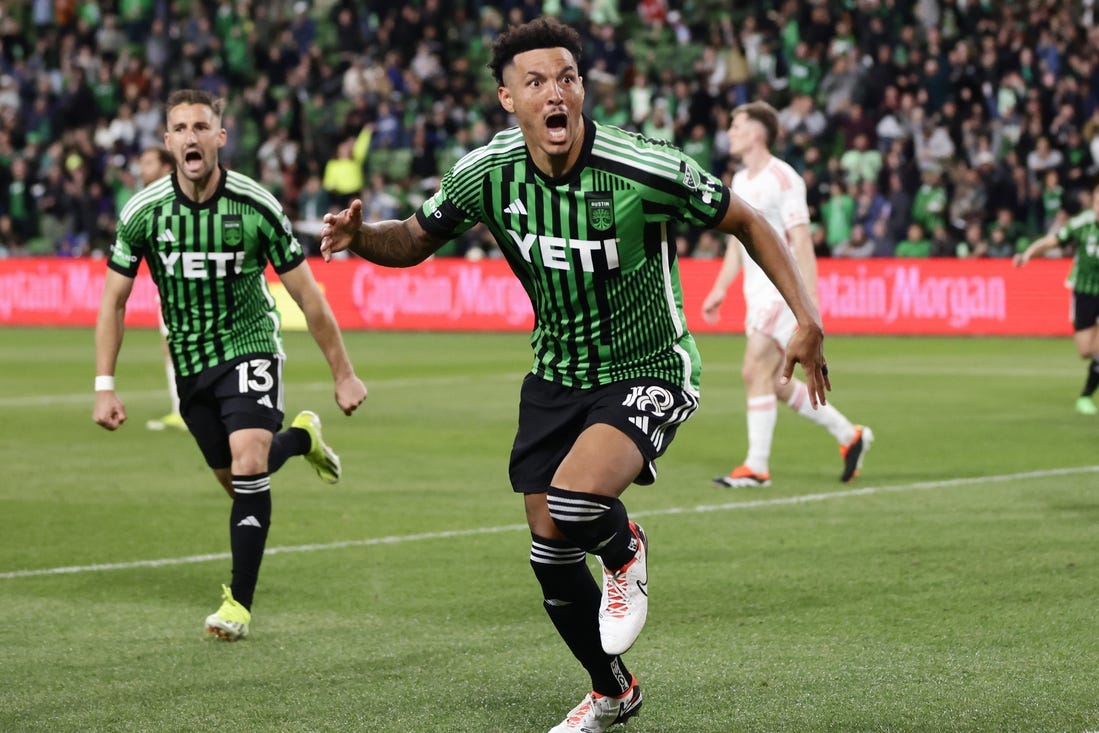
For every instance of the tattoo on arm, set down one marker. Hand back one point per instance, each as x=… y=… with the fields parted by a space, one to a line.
x=393 y=244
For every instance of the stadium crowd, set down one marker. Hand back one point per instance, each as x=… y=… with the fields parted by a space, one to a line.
x=941 y=128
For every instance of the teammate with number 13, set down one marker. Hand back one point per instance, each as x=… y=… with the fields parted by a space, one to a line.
x=207 y=235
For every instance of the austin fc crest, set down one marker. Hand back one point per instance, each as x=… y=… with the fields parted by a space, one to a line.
x=232 y=231
x=601 y=212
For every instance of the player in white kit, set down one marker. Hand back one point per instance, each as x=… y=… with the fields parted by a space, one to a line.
x=774 y=188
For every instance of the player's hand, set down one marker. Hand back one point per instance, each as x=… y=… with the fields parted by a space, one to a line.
x=109 y=410
x=1020 y=259
x=711 y=307
x=340 y=230
x=350 y=393
x=807 y=348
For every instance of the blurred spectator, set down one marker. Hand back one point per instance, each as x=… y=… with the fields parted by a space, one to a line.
x=943 y=243
x=610 y=112
x=659 y=125
x=929 y=204
x=1044 y=157
x=870 y=205
x=915 y=244
x=933 y=144
x=858 y=246
x=801 y=120
x=1005 y=234
x=19 y=204
x=838 y=213
x=860 y=162
x=900 y=209
x=699 y=146
x=970 y=197
x=883 y=245
x=380 y=201
x=805 y=72
x=974 y=243
x=344 y=174
x=837 y=88
x=1053 y=198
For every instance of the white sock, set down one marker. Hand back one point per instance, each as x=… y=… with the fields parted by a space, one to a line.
x=171 y=372
x=762 y=416
x=826 y=416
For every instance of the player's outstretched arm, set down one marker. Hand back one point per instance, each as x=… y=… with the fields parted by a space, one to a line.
x=1037 y=247
x=730 y=267
x=391 y=243
x=299 y=282
x=109 y=326
x=764 y=246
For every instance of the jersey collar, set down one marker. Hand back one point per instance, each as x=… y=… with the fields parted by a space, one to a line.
x=209 y=203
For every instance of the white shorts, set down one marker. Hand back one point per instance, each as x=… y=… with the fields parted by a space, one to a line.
x=772 y=318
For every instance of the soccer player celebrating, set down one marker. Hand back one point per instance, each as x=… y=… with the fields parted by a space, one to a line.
x=207 y=235
x=1083 y=230
x=583 y=213
x=774 y=188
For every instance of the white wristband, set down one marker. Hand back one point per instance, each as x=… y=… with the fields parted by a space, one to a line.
x=104 y=384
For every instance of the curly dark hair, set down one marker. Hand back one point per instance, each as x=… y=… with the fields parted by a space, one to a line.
x=544 y=32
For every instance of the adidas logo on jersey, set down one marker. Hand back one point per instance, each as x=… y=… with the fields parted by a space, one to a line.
x=166 y=236
x=249 y=521
x=516 y=207
x=265 y=401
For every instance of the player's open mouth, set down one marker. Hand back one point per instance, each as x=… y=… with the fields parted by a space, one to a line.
x=192 y=156
x=557 y=125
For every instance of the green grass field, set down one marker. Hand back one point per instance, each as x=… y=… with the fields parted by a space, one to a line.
x=953 y=587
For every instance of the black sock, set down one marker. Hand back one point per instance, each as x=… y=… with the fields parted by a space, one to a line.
x=571 y=598
x=248 y=524
x=288 y=443
x=1093 y=378
x=596 y=524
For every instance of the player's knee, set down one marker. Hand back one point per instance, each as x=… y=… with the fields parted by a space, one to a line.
x=748 y=371
x=249 y=464
x=539 y=520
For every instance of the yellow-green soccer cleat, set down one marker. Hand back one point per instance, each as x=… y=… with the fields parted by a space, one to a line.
x=320 y=456
x=231 y=620
x=1085 y=406
x=171 y=421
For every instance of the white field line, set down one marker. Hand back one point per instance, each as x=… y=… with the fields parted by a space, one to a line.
x=449 y=534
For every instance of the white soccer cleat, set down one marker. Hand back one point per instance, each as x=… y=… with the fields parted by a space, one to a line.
x=625 y=602
x=596 y=713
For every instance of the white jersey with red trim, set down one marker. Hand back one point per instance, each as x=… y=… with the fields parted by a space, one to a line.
x=778 y=192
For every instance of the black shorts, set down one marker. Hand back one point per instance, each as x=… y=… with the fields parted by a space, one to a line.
x=1085 y=310
x=551 y=418
x=243 y=393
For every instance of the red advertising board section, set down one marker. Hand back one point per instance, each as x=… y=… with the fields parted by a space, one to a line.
x=878 y=296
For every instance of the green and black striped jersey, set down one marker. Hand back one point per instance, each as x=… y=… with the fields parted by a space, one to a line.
x=594 y=250
x=207 y=261
x=1083 y=229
